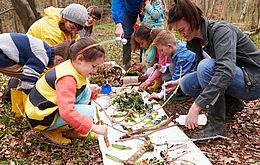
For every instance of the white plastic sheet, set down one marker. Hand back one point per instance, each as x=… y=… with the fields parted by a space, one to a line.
x=173 y=135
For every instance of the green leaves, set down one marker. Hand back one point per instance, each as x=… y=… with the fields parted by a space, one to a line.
x=121 y=147
x=114 y=158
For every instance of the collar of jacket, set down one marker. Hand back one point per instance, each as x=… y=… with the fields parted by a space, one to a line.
x=204 y=25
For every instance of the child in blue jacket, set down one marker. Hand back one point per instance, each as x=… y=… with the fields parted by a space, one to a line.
x=183 y=60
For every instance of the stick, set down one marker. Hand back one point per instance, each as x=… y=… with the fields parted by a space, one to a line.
x=145 y=148
x=145 y=135
x=145 y=129
x=164 y=93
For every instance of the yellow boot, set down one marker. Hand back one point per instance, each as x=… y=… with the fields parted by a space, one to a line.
x=17 y=102
x=18 y=99
x=156 y=84
x=56 y=135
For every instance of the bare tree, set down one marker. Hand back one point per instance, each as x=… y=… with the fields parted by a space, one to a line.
x=212 y=8
x=224 y=9
x=243 y=13
x=233 y=15
x=255 y=14
x=27 y=12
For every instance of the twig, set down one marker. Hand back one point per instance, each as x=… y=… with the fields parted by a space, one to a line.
x=115 y=128
x=209 y=138
x=145 y=129
x=147 y=147
x=104 y=110
x=144 y=135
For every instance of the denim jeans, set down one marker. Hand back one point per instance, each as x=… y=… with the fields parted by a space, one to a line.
x=81 y=105
x=193 y=83
x=84 y=110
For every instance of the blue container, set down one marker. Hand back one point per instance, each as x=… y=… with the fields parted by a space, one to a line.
x=106 y=88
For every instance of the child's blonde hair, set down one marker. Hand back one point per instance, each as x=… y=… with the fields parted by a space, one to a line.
x=165 y=37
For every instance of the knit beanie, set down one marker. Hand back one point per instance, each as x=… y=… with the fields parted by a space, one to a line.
x=75 y=13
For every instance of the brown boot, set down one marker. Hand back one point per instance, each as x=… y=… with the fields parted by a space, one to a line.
x=56 y=135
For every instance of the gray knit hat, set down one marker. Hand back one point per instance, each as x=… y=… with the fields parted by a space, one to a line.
x=75 y=13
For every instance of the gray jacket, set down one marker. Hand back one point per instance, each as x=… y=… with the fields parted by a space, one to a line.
x=230 y=47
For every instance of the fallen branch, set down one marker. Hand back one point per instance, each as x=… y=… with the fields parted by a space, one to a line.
x=147 y=147
x=144 y=135
x=145 y=129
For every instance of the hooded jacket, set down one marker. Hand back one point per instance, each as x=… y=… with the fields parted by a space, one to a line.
x=121 y=7
x=230 y=47
x=47 y=28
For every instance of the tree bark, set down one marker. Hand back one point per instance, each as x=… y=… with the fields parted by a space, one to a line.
x=255 y=14
x=243 y=13
x=224 y=7
x=27 y=12
x=212 y=8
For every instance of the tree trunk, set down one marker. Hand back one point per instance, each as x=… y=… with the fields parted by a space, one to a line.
x=26 y=10
x=224 y=9
x=255 y=14
x=212 y=8
x=233 y=16
x=243 y=13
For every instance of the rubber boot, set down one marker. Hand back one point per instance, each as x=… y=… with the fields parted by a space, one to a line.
x=127 y=56
x=55 y=135
x=18 y=100
x=156 y=84
x=216 y=121
x=233 y=105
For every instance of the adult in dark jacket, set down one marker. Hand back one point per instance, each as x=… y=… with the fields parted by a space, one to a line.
x=232 y=71
x=125 y=14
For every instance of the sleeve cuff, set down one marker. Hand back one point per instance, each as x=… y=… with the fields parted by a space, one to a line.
x=27 y=85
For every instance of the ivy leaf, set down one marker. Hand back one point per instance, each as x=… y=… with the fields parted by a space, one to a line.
x=121 y=147
x=114 y=158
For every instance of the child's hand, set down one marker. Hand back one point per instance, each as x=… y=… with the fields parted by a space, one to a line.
x=147 y=2
x=170 y=85
x=100 y=129
x=143 y=86
x=95 y=90
x=153 y=96
x=157 y=66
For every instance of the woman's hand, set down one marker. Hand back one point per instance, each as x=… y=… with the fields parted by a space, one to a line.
x=143 y=86
x=192 y=117
x=170 y=85
x=119 y=32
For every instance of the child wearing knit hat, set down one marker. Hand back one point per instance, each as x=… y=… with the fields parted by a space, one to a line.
x=58 y=25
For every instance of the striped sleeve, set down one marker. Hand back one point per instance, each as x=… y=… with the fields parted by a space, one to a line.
x=33 y=55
